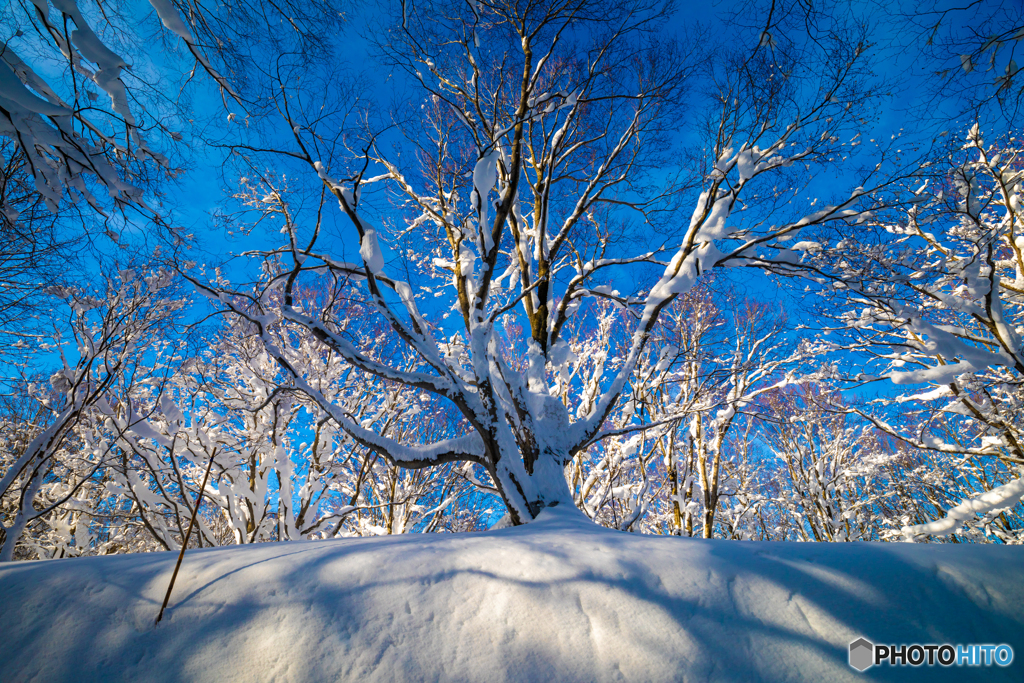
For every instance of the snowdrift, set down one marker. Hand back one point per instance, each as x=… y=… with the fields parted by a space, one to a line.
x=558 y=600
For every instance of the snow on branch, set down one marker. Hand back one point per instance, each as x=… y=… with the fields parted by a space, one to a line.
x=999 y=498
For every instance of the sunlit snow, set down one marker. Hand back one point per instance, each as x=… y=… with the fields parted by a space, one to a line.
x=556 y=600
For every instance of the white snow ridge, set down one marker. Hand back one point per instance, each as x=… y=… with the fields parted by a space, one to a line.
x=557 y=600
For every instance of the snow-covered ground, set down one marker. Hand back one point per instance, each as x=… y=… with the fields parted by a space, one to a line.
x=557 y=600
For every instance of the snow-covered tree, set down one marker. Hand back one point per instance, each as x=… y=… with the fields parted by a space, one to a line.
x=544 y=144
x=112 y=459
x=54 y=452
x=833 y=468
x=937 y=302
x=287 y=472
x=96 y=110
x=695 y=383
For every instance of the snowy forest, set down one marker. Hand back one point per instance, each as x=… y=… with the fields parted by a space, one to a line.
x=748 y=271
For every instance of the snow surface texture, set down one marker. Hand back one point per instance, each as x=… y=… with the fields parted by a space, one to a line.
x=557 y=600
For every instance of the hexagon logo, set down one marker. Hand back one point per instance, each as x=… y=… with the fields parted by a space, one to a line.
x=862 y=654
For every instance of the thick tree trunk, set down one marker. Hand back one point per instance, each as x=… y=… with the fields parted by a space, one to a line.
x=525 y=493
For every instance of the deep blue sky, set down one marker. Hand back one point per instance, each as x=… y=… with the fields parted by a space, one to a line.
x=204 y=189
